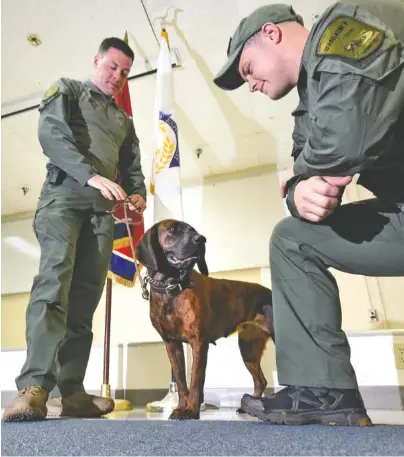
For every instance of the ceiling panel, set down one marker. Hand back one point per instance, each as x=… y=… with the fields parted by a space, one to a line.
x=71 y=32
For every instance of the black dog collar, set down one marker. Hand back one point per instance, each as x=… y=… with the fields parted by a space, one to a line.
x=171 y=289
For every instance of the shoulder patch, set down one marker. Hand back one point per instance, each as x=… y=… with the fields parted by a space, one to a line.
x=350 y=38
x=52 y=91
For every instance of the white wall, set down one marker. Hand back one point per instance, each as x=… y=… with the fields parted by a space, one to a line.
x=19 y=256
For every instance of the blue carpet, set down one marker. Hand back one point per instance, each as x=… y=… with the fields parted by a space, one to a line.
x=113 y=437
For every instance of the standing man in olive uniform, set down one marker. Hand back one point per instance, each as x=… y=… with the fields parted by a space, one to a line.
x=349 y=73
x=86 y=139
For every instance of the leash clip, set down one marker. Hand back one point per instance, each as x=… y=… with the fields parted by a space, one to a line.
x=145 y=292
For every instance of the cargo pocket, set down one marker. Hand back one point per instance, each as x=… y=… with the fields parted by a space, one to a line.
x=43 y=203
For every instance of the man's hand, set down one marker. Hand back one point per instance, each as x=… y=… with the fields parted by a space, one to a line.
x=317 y=197
x=137 y=203
x=108 y=188
x=286 y=175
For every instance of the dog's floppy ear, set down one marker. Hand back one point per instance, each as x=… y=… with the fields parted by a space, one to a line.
x=202 y=267
x=148 y=251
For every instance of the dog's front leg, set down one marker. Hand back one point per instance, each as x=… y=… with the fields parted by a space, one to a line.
x=175 y=353
x=199 y=362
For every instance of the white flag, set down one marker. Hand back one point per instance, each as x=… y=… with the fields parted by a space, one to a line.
x=165 y=182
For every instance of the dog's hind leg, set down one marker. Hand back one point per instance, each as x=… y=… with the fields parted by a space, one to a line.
x=175 y=353
x=252 y=341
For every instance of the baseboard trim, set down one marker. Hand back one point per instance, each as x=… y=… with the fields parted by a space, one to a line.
x=375 y=397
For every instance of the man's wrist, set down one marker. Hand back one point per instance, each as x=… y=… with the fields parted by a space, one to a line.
x=86 y=176
x=290 y=197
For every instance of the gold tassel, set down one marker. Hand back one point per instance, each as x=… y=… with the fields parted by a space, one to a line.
x=120 y=280
x=124 y=281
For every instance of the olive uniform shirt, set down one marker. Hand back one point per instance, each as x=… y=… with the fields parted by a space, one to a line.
x=83 y=132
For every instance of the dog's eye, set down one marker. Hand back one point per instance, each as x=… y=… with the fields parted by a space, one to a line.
x=171 y=229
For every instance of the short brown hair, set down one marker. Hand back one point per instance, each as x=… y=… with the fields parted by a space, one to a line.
x=116 y=43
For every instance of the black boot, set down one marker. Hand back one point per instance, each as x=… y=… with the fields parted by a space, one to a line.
x=309 y=405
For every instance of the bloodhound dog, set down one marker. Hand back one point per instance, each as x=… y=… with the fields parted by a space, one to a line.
x=187 y=306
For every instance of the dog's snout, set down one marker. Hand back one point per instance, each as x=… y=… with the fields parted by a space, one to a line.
x=199 y=239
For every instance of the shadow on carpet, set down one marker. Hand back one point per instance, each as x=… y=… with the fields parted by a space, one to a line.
x=101 y=437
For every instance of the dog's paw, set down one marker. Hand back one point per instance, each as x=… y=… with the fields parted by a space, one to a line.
x=240 y=410
x=183 y=414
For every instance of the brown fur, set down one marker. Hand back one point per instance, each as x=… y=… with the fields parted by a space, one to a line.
x=211 y=309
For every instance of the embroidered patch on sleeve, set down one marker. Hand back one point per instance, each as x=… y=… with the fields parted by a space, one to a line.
x=350 y=38
x=53 y=90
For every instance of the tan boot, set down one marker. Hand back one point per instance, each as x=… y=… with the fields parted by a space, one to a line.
x=29 y=405
x=80 y=404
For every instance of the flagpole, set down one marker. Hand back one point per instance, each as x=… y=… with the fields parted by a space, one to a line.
x=173 y=385
x=106 y=387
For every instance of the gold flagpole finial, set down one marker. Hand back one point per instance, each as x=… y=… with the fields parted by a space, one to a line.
x=164 y=33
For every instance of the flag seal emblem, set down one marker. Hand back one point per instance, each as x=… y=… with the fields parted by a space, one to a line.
x=167 y=154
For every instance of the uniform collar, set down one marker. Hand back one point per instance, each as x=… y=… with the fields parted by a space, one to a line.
x=307 y=49
x=95 y=89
